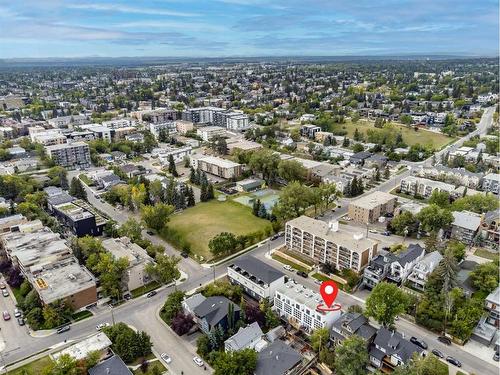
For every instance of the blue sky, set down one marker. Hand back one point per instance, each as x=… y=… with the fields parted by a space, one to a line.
x=219 y=28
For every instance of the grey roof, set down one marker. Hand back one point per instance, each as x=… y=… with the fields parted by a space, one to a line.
x=394 y=343
x=275 y=333
x=245 y=336
x=412 y=253
x=277 y=359
x=259 y=269
x=60 y=199
x=194 y=301
x=111 y=366
x=110 y=178
x=362 y=155
x=357 y=323
x=128 y=168
x=214 y=309
x=491 y=216
x=467 y=220
x=494 y=296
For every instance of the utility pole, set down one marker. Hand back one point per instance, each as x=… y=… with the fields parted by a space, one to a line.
x=213 y=267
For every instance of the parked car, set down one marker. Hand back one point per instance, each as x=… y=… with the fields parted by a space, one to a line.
x=453 y=361
x=99 y=327
x=198 y=361
x=151 y=294
x=445 y=340
x=63 y=329
x=150 y=232
x=496 y=356
x=437 y=353
x=6 y=315
x=303 y=274
x=386 y=233
x=275 y=237
x=165 y=357
x=418 y=342
x=20 y=321
x=2 y=286
x=281 y=234
x=372 y=231
x=17 y=313
x=184 y=254
x=5 y=293
x=287 y=267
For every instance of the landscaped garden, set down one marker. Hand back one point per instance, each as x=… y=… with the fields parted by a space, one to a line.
x=194 y=227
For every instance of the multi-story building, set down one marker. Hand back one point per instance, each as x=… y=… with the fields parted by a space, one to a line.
x=138 y=258
x=231 y=120
x=298 y=305
x=369 y=208
x=119 y=123
x=80 y=218
x=217 y=166
x=465 y=226
x=492 y=304
x=490 y=231
x=156 y=116
x=208 y=132
x=66 y=121
x=156 y=127
x=201 y=115
x=184 y=126
x=309 y=131
x=349 y=324
x=70 y=155
x=378 y=269
x=421 y=271
x=491 y=183
x=178 y=154
x=404 y=262
x=256 y=278
x=423 y=187
x=48 y=137
x=326 y=243
x=455 y=176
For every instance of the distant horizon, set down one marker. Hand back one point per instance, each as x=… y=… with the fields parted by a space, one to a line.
x=247 y=28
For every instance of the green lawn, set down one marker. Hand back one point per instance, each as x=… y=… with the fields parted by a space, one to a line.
x=81 y=315
x=152 y=365
x=483 y=253
x=144 y=289
x=302 y=259
x=321 y=277
x=410 y=136
x=85 y=179
x=197 y=225
x=296 y=266
x=34 y=367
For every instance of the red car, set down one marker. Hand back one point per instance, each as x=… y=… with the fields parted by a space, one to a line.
x=6 y=315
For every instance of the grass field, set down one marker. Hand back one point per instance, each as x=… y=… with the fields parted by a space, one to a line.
x=410 y=136
x=34 y=367
x=144 y=289
x=152 y=365
x=483 y=253
x=199 y=224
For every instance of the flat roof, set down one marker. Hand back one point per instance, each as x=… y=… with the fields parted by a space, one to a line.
x=124 y=248
x=351 y=240
x=67 y=145
x=81 y=349
x=373 y=200
x=61 y=280
x=224 y=163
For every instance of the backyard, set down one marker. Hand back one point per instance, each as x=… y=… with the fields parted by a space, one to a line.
x=410 y=136
x=197 y=225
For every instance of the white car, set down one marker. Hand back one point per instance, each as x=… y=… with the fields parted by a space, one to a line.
x=287 y=267
x=165 y=357
x=17 y=313
x=198 y=361
x=99 y=327
x=372 y=231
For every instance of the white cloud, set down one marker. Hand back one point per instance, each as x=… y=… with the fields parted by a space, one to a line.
x=129 y=9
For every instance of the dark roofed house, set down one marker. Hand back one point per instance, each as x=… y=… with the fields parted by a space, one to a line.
x=376 y=161
x=56 y=200
x=352 y=324
x=111 y=366
x=360 y=157
x=257 y=279
x=277 y=359
x=403 y=264
x=390 y=349
x=214 y=312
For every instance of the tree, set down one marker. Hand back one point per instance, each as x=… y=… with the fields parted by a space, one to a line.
x=319 y=339
x=256 y=207
x=65 y=365
x=127 y=343
x=165 y=269
x=440 y=198
x=458 y=249
x=77 y=190
x=172 y=306
x=432 y=218
x=265 y=162
x=157 y=216
x=357 y=135
x=405 y=221
x=222 y=243
x=291 y=170
x=171 y=166
x=132 y=229
x=387 y=173
x=477 y=203
x=428 y=365
x=242 y=362
x=190 y=197
x=351 y=356
x=345 y=142
x=181 y=323
x=385 y=302
x=485 y=277
x=294 y=200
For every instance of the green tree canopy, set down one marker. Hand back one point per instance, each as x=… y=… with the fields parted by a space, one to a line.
x=351 y=357
x=385 y=302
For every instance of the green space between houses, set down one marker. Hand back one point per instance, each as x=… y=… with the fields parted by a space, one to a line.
x=145 y=289
x=151 y=366
x=85 y=179
x=296 y=266
x=81 y=315
x=410 y=136
x=302 y=259
x=34 y=367
x=483 y=253
x=321 y=277
x=197 y=225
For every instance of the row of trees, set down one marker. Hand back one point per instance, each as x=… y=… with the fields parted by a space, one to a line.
x=198 y=177
x=226 y=243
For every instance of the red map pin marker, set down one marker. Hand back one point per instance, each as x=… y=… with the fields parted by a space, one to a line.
x=329 y=291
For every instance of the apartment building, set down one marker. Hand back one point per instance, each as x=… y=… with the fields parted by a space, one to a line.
x=378 y=269
x=421 y=271
x=423 y=187
x=155 y=116
x=490 y=231
x=491 y=183
x=71 y=155
x=256 y=278
x=454 y=176
x=208 y=132
x=201 y=115
x=80 y=218
x=231 y=120
x=465 y=226
x=369 y=208
x=137 y=257
x=217 y=166
x=309 y=131
x=298 y=305
x=326 y=243
x=47 y=137
x=119 y=123
x=66 y=121
x=184 y=126
x=178 y=154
